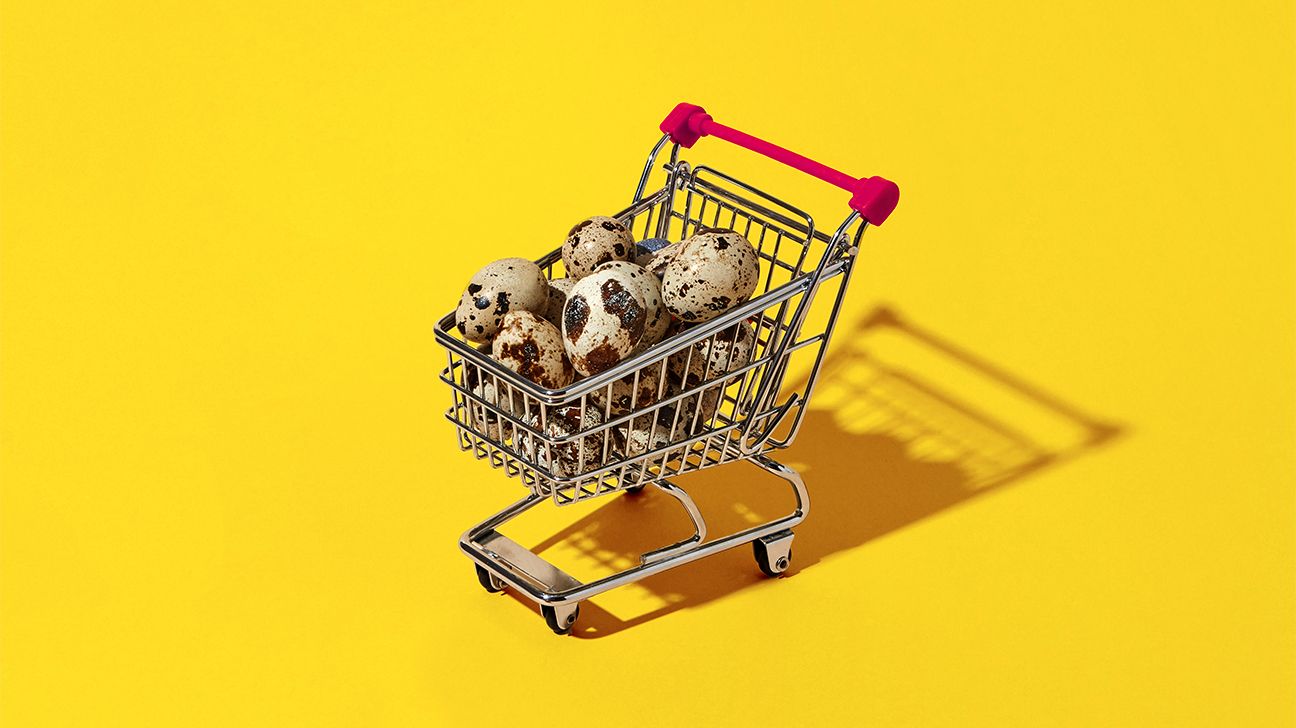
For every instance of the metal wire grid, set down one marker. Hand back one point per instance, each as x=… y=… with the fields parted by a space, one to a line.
x=581 y=442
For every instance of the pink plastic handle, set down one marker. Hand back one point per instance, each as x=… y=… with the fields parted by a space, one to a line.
x=872 y=197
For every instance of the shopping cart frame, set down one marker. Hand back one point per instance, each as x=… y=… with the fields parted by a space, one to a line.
x=724 y=416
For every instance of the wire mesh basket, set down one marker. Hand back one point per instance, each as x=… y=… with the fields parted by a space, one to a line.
x=674 y=408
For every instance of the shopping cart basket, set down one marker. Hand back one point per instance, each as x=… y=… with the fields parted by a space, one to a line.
x=640 y=423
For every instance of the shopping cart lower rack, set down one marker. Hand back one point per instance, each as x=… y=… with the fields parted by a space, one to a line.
x=701 y=422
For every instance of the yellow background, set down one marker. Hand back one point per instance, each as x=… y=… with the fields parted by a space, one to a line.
x=230 y=498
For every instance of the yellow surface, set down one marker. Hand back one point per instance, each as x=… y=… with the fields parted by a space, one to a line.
x=229 y=496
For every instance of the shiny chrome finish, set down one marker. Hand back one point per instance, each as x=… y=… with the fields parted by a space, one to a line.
x=699 y=525
x=538 y=580
x=740 y=413
x=519 y=562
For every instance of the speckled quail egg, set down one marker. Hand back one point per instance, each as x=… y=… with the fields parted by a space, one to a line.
x=603 y=320
x=725 y=351
x=595 y=241
x=695 y=410
x=628 y=395
x=576 y=456
x=511 y=284
x=483 y=418
x=659 y=318
x=657 y=260
x=558 y=290
x=532 y=347
x=645 y=434
x=714 y=271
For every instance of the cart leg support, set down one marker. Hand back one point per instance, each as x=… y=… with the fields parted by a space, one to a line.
x=502 y=561
x=699 y=525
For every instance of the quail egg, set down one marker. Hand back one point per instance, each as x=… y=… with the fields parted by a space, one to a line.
x=603 y=320
x=511 y=284
x=695 y=411
x=714 y=271
x=725 y=351
x=532 y=347
x=558 y=290
x=659 y=318
x=627 y=395
x=576 y=456
x=595 y=241
x=483 y=418
x=645 y=434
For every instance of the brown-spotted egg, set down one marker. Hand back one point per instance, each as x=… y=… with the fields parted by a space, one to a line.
x=630 y=393
x=659 y=318
x=644 y=434
x=511 y=284
x=580 y=453
x=692 y=414
x=594 y=242
x=714 y=271
x=558 y=290
x=533 y=348
x=725 y=351
x=603 y=320
x=498 y=397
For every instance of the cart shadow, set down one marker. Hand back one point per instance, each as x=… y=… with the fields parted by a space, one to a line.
x=882 y=447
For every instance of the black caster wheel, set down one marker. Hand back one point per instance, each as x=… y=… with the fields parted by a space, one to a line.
x=489 y=582
x=635 y=489
x=553 y=619
x=774 y=553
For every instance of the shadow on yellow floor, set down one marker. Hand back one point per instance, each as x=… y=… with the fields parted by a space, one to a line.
x=902 y=425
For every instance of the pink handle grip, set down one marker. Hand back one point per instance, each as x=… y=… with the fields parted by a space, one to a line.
x=872 y=197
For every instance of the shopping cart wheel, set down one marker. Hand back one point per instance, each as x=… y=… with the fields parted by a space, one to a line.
x=489 y=581
x=560 y=619
x=635 y=489
x=774 y=552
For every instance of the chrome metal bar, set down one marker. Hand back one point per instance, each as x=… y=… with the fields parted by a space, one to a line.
x=699 y=525
x=806 y=227
x=471 y=545
x=521 y=563
x=648 y=166
x=827 y=339
x=770 y=387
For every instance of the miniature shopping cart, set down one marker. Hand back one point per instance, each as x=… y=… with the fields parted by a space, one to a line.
x=737 y=414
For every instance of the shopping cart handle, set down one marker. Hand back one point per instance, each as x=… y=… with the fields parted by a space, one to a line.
x=872 y=197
